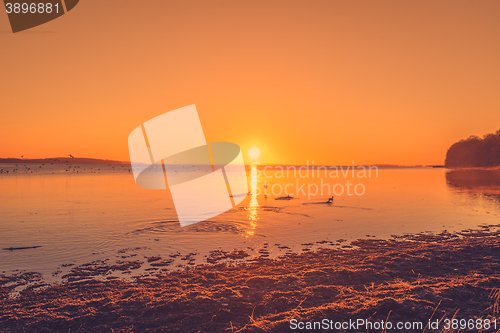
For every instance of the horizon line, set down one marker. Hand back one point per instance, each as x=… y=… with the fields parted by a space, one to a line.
x=86 y=160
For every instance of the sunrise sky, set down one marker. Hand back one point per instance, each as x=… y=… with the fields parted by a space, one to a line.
x=392 y=82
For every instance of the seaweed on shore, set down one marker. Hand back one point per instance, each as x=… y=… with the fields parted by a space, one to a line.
x=412 y=278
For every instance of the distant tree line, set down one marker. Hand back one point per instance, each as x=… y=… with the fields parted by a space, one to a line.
x=475 y=152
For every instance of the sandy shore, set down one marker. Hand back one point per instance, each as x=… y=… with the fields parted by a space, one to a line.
x=409 y=278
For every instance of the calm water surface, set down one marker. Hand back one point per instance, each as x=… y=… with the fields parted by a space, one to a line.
x=93 y=212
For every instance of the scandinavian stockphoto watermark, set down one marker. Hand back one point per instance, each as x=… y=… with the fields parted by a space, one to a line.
x=359 y=325
x=208 y=179
x=368 y=325
x=310 y=180
x=170 y=151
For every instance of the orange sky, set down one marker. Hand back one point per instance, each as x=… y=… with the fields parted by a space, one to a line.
x=331 y=81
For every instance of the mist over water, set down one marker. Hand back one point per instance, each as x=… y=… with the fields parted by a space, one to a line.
x=96 y=212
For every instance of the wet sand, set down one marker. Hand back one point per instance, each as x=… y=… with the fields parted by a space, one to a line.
x=407 y=278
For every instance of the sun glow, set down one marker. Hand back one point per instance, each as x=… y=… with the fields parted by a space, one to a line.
x=254 y=152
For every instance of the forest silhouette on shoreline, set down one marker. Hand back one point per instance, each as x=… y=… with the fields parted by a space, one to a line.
x=475 y=152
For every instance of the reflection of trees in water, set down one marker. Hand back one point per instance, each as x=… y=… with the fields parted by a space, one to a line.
x=475 y=182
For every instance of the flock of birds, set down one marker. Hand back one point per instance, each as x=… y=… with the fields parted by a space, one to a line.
x=35 y=168
x=31 y=168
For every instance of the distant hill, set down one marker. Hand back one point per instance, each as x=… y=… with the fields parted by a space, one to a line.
x=475 y=152
x=66 y=160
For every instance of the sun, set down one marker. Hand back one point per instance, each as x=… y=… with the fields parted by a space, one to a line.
x=254 y=152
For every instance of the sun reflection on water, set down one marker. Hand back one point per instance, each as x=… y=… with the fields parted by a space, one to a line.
x=253 y=206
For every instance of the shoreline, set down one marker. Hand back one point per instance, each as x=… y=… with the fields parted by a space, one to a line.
x=60 y=160
x=409 y=277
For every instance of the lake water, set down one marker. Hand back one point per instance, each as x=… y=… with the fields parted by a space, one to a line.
x=83 y=213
